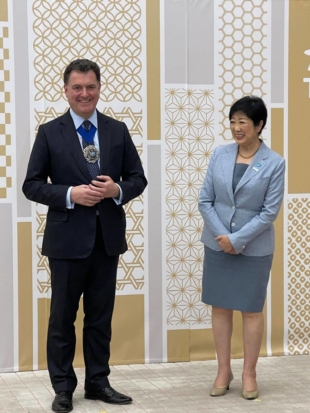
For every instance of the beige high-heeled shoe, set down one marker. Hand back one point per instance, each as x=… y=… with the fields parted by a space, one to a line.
x=250 y=395
x=221 y=391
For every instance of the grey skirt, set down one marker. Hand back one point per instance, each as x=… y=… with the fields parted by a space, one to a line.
x=235 y=282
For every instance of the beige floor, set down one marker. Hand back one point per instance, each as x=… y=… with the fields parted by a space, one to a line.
x=284 y=384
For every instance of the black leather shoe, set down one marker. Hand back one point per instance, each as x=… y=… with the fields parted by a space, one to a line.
x=62 y=402
x=108 y=395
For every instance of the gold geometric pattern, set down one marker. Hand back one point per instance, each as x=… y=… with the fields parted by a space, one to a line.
x=132 y=119
x=107 y=32
x=43 y=269
x=5 y=114
x=41 y=221
x=242 y=53
x=189 y=139
x=46 y=116
x=131 y=264
x=299 y=275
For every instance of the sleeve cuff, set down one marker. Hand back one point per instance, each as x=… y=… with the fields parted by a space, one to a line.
x=69 y=204
x=119 y=200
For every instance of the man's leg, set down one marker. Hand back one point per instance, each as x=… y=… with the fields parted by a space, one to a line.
x=99 y=297
x=67 y=280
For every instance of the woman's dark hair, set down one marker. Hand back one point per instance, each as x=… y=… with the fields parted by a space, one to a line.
x=254 y=108
x=81 y=65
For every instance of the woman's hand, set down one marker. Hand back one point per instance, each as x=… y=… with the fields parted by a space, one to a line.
x=225 y=244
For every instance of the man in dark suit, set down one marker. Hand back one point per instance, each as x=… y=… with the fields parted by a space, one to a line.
x=94 y=169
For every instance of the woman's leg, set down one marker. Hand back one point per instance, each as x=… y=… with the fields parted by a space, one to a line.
x=253 y=330
x=222 y=323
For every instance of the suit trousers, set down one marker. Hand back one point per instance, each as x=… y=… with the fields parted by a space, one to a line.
x=95 y=278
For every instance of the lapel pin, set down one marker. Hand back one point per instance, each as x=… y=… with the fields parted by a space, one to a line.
x=258 y=165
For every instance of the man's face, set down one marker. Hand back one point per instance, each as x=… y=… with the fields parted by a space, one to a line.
x=82 y=92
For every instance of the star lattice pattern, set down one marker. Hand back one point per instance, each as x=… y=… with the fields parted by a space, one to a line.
x=189 y=121
x=131 y=265
x=46 y=115
x=107 y=32
x=298 y=220
x=43 y=271
x=41 y=221
x=132 y=119
x=242 y=53
x=127 y=115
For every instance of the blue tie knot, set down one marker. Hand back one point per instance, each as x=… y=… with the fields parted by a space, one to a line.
x=86 y=125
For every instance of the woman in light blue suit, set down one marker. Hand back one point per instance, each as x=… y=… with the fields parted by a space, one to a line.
x=239 y=201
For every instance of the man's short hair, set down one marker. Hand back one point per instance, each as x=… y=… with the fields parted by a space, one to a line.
x=81 y=65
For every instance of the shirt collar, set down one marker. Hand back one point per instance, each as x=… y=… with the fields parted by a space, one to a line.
x=78 y=120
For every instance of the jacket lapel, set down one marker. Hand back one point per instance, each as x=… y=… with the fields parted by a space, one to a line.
x=255 y=167
x=104 y=136
x=69 y=134
x=228 y=166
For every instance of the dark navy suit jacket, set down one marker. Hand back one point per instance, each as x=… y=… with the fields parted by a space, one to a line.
x=57 y=155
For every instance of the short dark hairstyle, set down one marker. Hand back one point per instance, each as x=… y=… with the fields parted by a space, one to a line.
x=81 y=65
x=254 y=108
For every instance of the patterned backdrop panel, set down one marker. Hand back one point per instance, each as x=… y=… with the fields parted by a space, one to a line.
x=131 y=264
x=5 y=114
x=242 y=53
x=108 y=32
x=298 y=256
x=189 y=122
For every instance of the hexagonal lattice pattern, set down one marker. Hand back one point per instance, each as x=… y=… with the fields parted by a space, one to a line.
x=189 y=139
x=131 y=264
x=242 y=53
x=299 y=275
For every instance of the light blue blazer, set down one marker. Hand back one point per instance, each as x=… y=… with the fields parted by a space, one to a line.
x=247 y=215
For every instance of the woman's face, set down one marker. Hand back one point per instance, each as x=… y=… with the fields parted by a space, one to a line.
x=243 y=130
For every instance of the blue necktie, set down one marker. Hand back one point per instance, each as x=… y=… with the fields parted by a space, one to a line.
x=93 y=168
